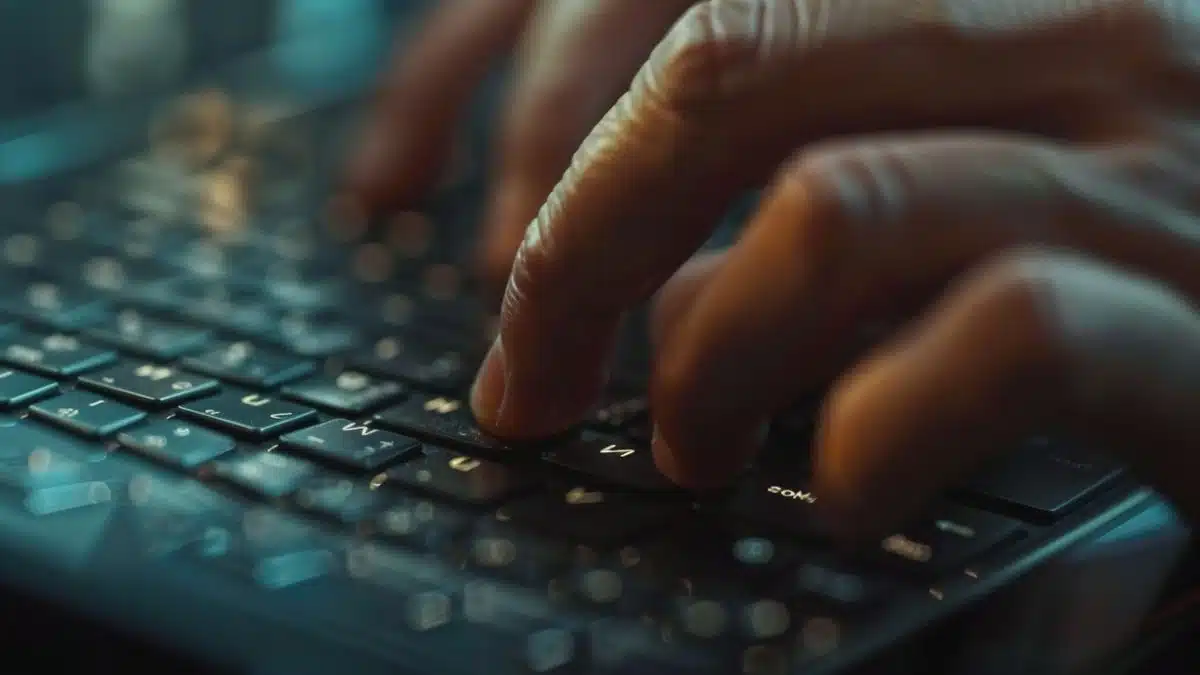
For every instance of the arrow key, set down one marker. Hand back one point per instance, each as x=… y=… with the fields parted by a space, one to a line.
x=613 y=461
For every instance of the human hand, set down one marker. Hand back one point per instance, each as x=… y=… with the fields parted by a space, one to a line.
x=1019 y=190
x=575 y=59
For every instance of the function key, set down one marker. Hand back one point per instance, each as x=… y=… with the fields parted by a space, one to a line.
x=946 y=539
x=348 y=393
x=478 y=482
x=55 y=306
x=87 y=413
x=18 y=388
x=176 y=443
x=612 y=461
x=267 y=474
x=438 y=419
x=351 y=445
x=149 y=384
x=53 y=354
x=249 y=414
x=1044 y=481
x=782 y=501
x=247 y=364
x=591 y=516
x=148 y=336
x=424 y=366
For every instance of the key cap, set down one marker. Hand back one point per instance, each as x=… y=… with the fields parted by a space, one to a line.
x=349 y=393
x=620 y=412
x=176 y=443
x=423 y=366
x=1043 y=482
x=780 y=501
x=53 y=354
x=351 y=445
x=946 y=540
x=148 y=384
x=444 y=474
x=87 y=413
x=591 y=516
x=248 y=414
x=612 y=461
x=244 y=363
x=339 y=499
x=34 y=457
x=159 y=339
x=268 y=474
x=54 y=305
x=18 y=388
x=440 y=420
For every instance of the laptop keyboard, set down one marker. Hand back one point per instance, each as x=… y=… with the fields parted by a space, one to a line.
x=295 y=396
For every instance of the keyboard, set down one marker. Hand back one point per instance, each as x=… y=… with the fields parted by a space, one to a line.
x=266 y=391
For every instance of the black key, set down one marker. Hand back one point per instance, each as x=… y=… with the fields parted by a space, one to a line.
x=351 y=445
x=248 y=414
x=53 y=354
x=55 y=306
x=427 y=367
x=707 y=554
x=946 y=540
x=1043 y=482
x=439 y=420
x=620 y=412
x=836 y=586
x=87 y=413
x=149 y=384
x=339 y=499
x=245 y=363
x=18 y=388
x=176 y=443
x=349 y=393
x=591 y=516
x=612 y=461
x=457 y=477
x=133 y=331
x=269 y=474
x=783 y=502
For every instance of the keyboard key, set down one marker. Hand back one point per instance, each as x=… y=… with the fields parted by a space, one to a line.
x=783 y=502
x=34 y=457
x=1043 y=483
x=478 y=482
x=244 y=363
x=944 y=541
x=176 y=443
x=445 y=421
x=18 y=388
x=620 y=412
x=612 y=461
x=591 y=516
x=427 y=367
x=54 y=305
x=53 y=354
x=349 y=393
x=423 y=525
x=149 y=384
x=339 y=499
x=839 y=587
x=87 y=413
x=268 y=474
x=351 y=445
x=249 y=414
x=707 y=554
x=147 y=336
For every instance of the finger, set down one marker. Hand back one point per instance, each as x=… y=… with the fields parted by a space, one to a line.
x=578 y=58
x=1031 y=338
x=423 y=96
x=722 y=100
x=678 y=294
x=860 y=233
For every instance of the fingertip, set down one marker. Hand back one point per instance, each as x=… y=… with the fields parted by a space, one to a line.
x=700 y=469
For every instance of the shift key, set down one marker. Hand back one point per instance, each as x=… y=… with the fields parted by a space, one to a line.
x=1042 y=482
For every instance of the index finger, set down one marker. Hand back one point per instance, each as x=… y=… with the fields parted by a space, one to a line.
x=730 y=93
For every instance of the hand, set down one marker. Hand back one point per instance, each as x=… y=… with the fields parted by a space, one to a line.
x=576 y=57
x=1021 y=197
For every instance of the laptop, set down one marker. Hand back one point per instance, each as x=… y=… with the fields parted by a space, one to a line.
x=233 y=440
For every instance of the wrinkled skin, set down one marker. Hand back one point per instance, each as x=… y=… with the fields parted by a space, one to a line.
x=1013 y=184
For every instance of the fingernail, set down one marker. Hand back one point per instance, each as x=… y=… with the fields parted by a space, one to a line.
x=487 y=393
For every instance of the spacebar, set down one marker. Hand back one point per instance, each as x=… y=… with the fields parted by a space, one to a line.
x=1041 y=483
